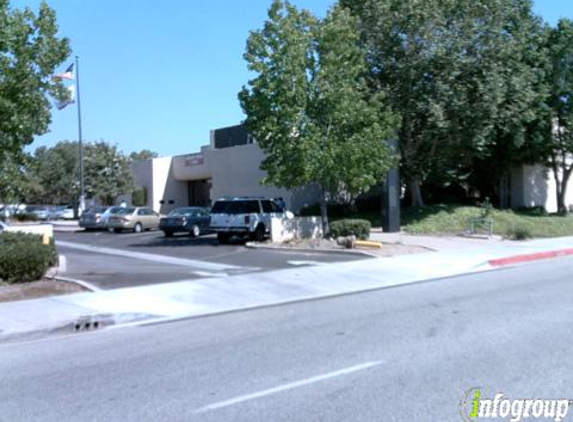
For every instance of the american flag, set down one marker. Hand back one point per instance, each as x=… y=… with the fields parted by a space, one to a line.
x=71 y=98
x=68 y=74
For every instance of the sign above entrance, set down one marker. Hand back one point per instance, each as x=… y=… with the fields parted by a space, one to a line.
x=194 y=160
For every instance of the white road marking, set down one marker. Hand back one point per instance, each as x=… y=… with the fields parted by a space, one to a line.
x=300 y=263
x=285 y=387
x=150 y=257
x=209 y=274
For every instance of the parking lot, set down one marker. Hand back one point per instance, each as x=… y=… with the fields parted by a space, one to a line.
x=110 y=260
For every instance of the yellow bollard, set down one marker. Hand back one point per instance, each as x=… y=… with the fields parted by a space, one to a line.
x=46 y=238
x=368 y=244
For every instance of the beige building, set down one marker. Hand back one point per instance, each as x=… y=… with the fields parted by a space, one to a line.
x=534 y=186
x=228 y=166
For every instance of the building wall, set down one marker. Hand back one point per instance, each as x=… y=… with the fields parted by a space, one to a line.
x=164 y=191
x=143 y=177
x=168 y=192
x=235 y=171
x=533 y=186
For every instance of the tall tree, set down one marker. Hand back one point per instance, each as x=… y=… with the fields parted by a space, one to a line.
x=560 y=128
x=310 y=108
x=455 y=74
x=56 y=169
x=17 y=184
x=144 y=154
x=30 y=51
x=107 y=172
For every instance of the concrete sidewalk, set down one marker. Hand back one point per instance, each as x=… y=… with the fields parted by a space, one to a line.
x=88 y=311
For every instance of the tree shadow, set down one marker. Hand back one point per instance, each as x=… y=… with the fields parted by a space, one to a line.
x=187 y=241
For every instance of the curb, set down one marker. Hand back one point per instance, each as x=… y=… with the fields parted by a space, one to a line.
x=86 y=284
x=83 y=324
x=518 y=259
x=254 y=245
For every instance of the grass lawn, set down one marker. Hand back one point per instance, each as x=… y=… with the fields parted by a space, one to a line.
x=454 y=219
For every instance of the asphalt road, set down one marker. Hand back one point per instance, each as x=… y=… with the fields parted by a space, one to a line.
x=123 y=265
x=400 y=354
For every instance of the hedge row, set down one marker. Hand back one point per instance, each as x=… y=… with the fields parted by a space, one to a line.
x=24 y=258
x=25 y=216
x=349 y=227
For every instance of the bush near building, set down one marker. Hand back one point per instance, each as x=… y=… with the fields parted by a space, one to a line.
x=139 y=197
x=25 y=216
x=24 y=258
x=351 y=227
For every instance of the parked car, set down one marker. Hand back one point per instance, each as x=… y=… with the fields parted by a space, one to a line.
x=42 y=212
x=137 y=219
x=244 y=216
x=68 y=213
x=193 y=220
x=97 y=217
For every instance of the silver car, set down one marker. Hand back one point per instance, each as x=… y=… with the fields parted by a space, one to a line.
x=97 y=217
x=137 y=219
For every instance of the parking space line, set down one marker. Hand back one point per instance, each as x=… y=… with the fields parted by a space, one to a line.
x=284 y=387
x=150 y=257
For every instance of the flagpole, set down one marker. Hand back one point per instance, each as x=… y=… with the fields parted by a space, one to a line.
x=82 y=200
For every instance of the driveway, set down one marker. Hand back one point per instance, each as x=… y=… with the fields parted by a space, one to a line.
x=110 y=260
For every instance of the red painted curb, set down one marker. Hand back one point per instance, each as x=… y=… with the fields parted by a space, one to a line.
x=530 y=257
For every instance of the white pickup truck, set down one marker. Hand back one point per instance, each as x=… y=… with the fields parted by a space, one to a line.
x=244 y=216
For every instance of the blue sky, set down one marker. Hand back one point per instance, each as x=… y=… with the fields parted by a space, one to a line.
x=159 y=74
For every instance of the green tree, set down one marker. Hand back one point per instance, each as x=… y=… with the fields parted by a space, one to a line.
x=56 y=169
x=17 y=184
x=107 y=172
x=144 y=154
x=309 y=107
x=457 y=74
x=560 y=124
x=30 y=51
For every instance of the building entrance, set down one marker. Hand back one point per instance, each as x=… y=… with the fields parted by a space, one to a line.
x=199 y=192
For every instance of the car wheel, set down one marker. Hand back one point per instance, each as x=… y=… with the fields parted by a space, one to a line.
x=138 y=228
x=259 y=234
x=195 y=231
x=168 y=233
x=223 y=238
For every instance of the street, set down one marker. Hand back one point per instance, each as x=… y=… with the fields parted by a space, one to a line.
x=149 y=258
x=398 y=354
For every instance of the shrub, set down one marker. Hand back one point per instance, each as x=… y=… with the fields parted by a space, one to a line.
x=25 y=216
x=139 y=197
x=24 y=258
x=519 y=233
x=358 y=228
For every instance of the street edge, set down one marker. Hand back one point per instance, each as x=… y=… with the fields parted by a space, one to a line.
x=255 y=245
x=530 y=257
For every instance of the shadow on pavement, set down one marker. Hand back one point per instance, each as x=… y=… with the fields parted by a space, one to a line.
x=183 y=240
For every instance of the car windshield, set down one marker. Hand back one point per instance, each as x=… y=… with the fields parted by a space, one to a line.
x=188 y=212
x=95 y=210
x=114 y=210
x=235 y=207
x=125 y=211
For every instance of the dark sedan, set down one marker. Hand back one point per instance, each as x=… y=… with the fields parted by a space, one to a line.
x=193 y=220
